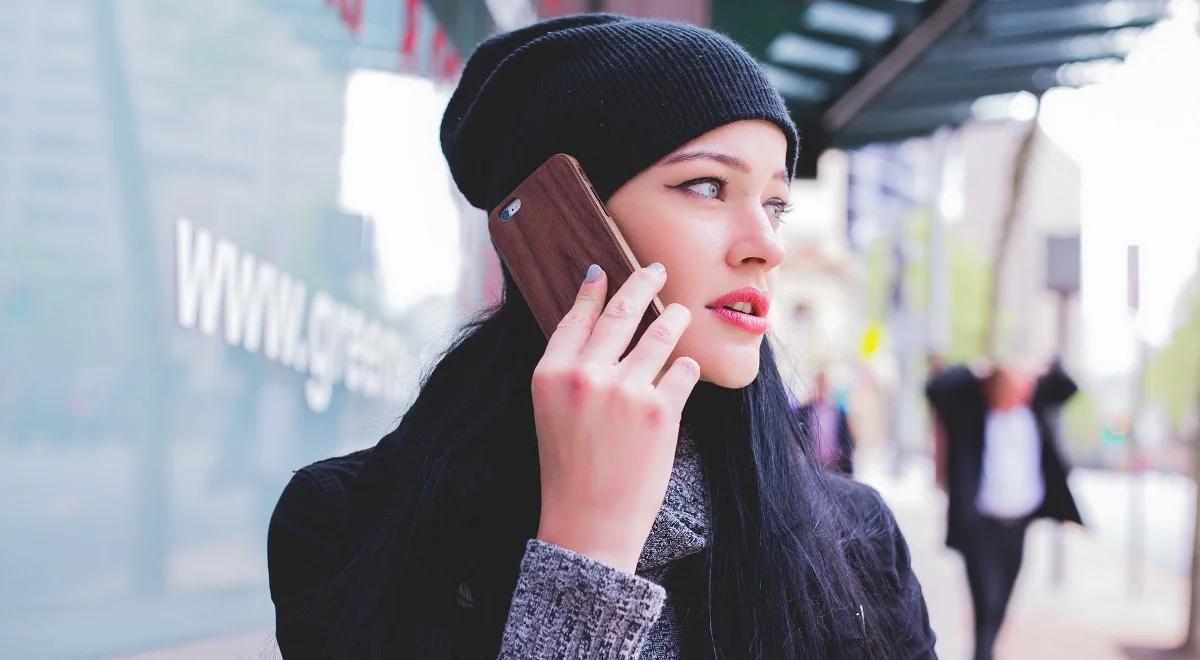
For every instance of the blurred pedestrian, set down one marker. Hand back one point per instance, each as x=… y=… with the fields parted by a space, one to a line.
x=827 y=427
x=563 y=499
x=1004 y=469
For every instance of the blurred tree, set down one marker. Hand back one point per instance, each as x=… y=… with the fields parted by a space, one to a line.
x=1172 y=378
x=1082 y=430
x=972 y=278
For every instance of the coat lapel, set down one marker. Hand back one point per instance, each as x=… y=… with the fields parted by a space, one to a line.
x=681 y=527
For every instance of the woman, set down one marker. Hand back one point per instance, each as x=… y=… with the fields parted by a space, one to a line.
x=548 y=500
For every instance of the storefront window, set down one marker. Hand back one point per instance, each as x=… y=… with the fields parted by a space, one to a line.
x=228 y=245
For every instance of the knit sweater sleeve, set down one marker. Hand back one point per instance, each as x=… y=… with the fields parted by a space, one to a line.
x=568 y=605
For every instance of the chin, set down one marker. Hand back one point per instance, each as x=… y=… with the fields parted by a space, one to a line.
x=730 y=374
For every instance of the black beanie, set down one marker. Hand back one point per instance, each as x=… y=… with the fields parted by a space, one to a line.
x=615 y=92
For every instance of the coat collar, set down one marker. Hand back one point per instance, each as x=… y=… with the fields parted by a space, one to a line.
x=681 y=527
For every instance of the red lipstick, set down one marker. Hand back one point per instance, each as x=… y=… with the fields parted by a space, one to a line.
x=754 y=321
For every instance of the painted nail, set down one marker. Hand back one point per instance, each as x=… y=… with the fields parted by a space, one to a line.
x=593 y=273
x=658 y=267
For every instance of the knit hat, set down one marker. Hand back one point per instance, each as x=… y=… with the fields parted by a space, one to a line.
x=615 y=92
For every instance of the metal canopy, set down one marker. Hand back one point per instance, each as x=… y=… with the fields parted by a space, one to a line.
x=860 y=71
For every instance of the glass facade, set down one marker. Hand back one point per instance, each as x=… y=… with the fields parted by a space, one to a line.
x=228 y=246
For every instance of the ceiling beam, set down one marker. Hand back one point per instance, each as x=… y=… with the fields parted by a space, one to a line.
x=908 y=51
x=908 y=92
x=999 y=21
x=1110 y=43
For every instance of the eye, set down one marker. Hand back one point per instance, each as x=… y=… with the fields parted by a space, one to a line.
x=779 y=208
x=709 y=187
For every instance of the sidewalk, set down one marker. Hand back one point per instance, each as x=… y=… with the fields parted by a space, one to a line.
x=1091 y=616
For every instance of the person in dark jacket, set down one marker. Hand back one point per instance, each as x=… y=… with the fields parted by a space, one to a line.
x=559 y=498
x=1004 y=469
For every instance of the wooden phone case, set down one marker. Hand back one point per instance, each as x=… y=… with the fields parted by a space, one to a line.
x=560 y=229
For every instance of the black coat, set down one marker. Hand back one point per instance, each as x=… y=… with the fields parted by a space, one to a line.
x=958 y=401
x=326 y=510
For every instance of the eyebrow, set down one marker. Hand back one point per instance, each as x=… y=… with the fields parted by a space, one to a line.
x=725 y=159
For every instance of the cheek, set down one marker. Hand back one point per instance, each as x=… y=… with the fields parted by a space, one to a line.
x=674 y=236
x=686 y=284
x=694 y=266
x=672 y=233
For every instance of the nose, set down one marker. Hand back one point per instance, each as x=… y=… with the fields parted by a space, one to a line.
x=754 y=240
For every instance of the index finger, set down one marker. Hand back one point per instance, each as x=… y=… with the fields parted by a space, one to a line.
x=573 y=330
x=619 y=321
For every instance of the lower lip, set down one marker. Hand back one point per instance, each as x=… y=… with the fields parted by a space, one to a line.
x=747 y=322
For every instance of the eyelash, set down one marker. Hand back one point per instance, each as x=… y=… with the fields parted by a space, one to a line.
x=784 y=207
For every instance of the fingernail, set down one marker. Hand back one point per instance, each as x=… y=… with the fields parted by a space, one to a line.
x=593 y=273
x=658 y=267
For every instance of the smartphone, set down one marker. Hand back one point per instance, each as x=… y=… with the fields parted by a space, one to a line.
x=549 y=230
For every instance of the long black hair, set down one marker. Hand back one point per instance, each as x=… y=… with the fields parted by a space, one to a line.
x=454 y=497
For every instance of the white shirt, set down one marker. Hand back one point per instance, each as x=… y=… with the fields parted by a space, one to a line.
x=1011 y=485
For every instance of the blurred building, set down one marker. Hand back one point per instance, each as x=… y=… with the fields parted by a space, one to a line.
x=198 y=282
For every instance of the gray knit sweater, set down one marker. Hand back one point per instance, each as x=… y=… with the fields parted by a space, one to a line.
x=567 y=605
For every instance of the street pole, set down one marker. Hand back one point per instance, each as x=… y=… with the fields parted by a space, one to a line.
x=1062 y=277
x=1133 y=456
x=1057 y=549
x=937 y=330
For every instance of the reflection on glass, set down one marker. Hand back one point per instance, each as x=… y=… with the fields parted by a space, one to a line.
x=224 y=256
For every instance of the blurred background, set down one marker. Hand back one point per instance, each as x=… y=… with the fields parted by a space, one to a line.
x=229 y=243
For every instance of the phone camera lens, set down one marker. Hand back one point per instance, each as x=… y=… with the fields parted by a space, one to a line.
x=510 y=210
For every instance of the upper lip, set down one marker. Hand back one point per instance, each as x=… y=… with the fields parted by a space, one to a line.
x=756 y=297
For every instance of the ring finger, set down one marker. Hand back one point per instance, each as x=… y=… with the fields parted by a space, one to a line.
x=650 y=355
